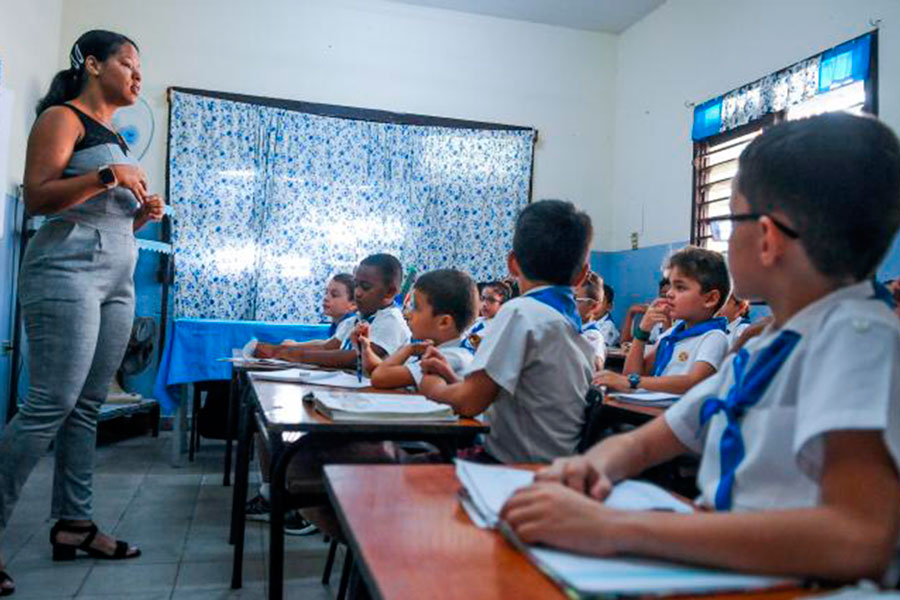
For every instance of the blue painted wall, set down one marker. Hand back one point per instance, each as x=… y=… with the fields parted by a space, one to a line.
x=7 y=269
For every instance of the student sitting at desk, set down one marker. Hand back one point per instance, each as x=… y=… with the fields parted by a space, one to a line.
x=800 y=431
x=604 y=316
x=339 y=305
x=443 y=306
x=494 y=294
x=737 y=312
x=589 y=299
x=377 y=280
x=692 y=349
x=533 y=371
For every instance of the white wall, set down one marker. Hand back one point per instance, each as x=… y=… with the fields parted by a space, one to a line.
x=693 y=50
x=383 y=55
x=29 y=49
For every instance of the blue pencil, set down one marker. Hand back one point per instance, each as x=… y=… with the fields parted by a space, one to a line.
x=358 y=361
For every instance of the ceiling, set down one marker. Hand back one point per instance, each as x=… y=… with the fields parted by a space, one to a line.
x=610 y=16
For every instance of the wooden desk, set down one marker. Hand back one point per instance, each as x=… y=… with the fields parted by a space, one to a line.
x=410 y=538
x=645 y=412
x=276 y=409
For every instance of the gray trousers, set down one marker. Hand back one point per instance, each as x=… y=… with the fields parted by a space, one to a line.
x=77 y=296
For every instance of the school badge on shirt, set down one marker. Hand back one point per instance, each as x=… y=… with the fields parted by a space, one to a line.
x=683 y=356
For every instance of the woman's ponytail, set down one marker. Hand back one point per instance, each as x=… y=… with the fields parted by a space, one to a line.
x=65 y=86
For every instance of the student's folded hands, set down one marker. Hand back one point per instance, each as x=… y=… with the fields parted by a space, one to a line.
x=556 y=515
x=435 y=363
x=579 y=473
x=361 y=329
x=612 y=380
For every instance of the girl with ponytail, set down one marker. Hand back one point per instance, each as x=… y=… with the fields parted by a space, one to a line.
x=76 y=285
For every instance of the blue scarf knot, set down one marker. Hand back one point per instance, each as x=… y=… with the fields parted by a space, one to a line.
x=748 y=388
x=332 y=329
x=561 y=298
x=666 y=347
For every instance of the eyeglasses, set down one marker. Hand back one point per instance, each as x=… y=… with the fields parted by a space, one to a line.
x=721 y=229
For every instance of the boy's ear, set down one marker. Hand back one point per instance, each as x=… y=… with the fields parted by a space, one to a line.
x=771 y=242
x=581 y=275
x=712 y=299
x=512 y=263
x=446 y=321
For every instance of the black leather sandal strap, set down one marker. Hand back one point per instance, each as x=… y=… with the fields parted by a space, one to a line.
x=121 y=549
x=89 y=538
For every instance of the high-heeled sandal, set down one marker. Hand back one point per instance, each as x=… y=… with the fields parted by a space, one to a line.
x=4 y=590
x=68 y=551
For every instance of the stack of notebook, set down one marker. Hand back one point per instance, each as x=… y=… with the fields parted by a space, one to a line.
x=486 y=489
x=348 y=407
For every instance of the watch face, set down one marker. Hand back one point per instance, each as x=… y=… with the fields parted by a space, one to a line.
x=107 y=177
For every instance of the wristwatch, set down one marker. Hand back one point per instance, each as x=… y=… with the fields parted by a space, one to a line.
x=641 y=335
x=107 y=176
x=634 y=380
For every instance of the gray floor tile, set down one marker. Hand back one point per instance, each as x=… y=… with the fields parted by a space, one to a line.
x=129 y=577
x=249 y=592
x=50 y=579
x=216 y=575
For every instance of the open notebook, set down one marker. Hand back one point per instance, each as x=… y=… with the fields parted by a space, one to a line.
x=329 y=378
x=373 y=408
x=648 y=398
x=486 y=488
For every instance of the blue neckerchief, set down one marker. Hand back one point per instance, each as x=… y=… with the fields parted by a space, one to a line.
x=561 y=298
x=746 y=391
x=592 y=326
x=478 y=327
x=884 y=294
x=605 y=318
x=348 y=343
x=666 y=347
x=332 y=329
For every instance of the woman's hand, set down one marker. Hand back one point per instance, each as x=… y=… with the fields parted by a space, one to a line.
x=132 y=178
x=153 y=209
x=614 y=381
x=558 y=516
x=265 y=350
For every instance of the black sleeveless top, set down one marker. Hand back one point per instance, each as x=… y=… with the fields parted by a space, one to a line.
x=95 y=133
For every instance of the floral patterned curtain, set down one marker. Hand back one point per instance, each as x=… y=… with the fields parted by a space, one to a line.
x=271 y=202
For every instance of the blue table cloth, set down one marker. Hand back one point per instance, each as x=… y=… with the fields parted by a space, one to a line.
x=193 y=346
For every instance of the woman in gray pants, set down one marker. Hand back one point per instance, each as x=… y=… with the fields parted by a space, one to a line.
x=76 y=284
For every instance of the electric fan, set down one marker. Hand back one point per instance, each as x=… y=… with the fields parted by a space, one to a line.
x=135 y=123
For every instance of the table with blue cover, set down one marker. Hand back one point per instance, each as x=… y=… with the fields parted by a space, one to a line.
x=195 y=345
x=191 y=355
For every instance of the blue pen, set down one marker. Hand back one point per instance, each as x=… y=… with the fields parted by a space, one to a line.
x=358 y=360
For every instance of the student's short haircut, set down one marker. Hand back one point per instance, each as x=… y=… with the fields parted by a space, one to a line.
x=705 y=267
x=837 y=178
x=592 y=286
x=346 y=280
x=450 y=292
x=551 y=241
x=609 y=294
x=500 y=287
x=391 y=270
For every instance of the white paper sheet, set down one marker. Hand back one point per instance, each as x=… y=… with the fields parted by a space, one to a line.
x=329 y=378
x=648 y=397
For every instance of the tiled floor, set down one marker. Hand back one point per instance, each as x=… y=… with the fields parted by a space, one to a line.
x=179 y=518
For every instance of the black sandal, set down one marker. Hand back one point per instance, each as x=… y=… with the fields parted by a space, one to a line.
x=6 y=591
x=68 y=552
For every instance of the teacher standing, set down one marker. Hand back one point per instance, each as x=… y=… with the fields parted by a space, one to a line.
x=77 y=284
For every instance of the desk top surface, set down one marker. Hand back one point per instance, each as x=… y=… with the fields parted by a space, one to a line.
x=614 y=402
x=283 y=408
x=414 y=540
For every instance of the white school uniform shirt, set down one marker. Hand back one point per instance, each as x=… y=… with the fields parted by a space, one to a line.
x=735 y=329
x=387 y=329
x=344 y=329
x=593 y=333
x=710 y=347
x=458 y=357
x=543 y=368
x=609 y=330
x=841 y=375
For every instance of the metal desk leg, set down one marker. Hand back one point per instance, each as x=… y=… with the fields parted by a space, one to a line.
x=232 y=411
x=281 y=457
x=178 y=427
x=239 y=499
